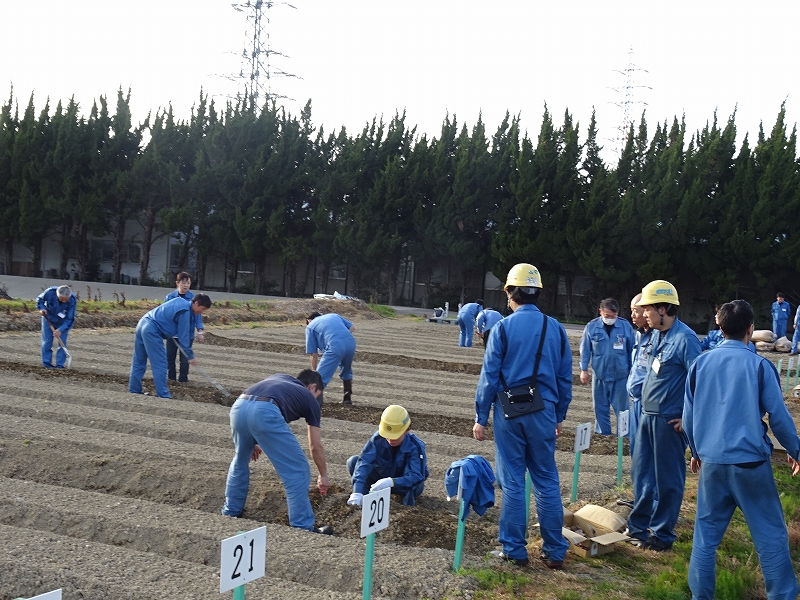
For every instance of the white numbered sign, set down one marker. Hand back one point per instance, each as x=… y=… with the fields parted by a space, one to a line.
x=243 y=559
x=375 y=512
x=583 y=436
x=622 y=426
x=54 y=595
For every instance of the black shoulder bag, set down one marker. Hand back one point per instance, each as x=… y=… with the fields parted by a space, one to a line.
x=525 y=399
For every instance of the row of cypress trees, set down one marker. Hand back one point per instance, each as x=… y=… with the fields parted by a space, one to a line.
x=259 y=184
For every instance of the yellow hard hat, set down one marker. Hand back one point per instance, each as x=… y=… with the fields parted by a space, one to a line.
x=658 y=292
x=394 y=422
x=523 y=275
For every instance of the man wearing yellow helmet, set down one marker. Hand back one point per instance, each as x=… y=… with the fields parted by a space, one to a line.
x=393 y=458
x=526 y=443
x=658 y=466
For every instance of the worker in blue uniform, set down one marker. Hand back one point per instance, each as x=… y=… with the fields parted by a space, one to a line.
x=796 y=336
x=486 y=319
x=466 y=321
x=526 y=443
x=607 y=343
x=57 y=306
x=780 y=315
x=727 y=394
x=333 y=334
x=175 y=318
x=658 y=467
x=639 y=360
x=260 y=420
x=393 y=457
x=183 y=281
x=715 y=337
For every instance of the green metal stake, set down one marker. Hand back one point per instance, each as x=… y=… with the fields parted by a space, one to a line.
x=788 y=370
x=460 y=536
x=368 y=567
x=528 y=485
x=796 y=372
x=619 y=460
x=575 y=477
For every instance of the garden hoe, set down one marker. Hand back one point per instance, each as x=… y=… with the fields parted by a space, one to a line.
x=213 y=381
x=60 y=343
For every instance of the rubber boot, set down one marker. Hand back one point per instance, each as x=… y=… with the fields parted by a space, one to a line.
x=348 y=391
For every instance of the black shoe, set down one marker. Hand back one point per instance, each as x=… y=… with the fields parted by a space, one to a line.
x=622 y=502
x=656 y=545
x=519 y=562
x=550 y=563
x=324 y=530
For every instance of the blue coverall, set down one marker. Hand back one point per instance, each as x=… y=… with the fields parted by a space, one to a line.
x=610 y=355
x=407 y=465
x=780 y=317
x=173 y=318
x=639 y=360
x=658 y=468
x=331 y=334
x=466 y=321
x=172 y=349
x=727 y=394
x=527 y=443
x=796 y=336
x=62 y=317
x=715 y=338
x=487 y=319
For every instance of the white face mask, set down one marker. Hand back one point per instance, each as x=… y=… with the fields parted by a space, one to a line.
x=608 y=321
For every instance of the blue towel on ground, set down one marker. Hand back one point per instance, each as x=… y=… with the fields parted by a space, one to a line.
x=477 y=483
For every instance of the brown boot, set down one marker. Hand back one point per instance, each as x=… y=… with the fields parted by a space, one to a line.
x=348 y=391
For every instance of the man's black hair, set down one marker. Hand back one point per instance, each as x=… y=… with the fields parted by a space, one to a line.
x=313 y=316
x=672 y=309
x=522 y=295
x=609 y=304
x=479 y=301
x=202 y=300
x=735 y=318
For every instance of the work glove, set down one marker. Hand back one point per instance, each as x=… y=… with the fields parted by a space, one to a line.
x=355 y=499
x=386 y=482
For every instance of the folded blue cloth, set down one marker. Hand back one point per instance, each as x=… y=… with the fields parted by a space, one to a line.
x=477 y=482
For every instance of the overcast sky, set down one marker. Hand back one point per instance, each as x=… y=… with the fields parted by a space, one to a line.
x=362 y=58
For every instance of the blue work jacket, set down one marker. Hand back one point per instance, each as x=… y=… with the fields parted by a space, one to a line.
x=476 y=477
x=407 y=465
x=727 y=393
x=487 y=319
x=198 y=318
x=175 y=318
x=781 y=311
x=640 y=358
x=610 y=354
x=328 y=332
x=523 y=328
x=673 y=352
x=469 y=312
x=60 y=314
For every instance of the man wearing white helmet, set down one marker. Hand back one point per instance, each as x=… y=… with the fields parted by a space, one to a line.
x=393 y=458
x=658 y=467
x=525 y=435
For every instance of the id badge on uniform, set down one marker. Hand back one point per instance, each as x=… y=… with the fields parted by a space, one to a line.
x=642 y=361
x=656 y=365
x=620 y=343
x=62 y=315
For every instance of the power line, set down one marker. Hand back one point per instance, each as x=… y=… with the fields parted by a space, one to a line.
x=627 y=90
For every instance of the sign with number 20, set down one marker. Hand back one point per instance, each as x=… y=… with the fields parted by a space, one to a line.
x=375 y=512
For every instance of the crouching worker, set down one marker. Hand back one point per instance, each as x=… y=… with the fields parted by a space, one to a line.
x=393 y=458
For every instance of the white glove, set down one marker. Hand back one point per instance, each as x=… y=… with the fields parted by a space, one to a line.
x=355 y=499
x=386 y=482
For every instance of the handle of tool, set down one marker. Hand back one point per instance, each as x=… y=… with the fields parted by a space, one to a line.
x=211 y=380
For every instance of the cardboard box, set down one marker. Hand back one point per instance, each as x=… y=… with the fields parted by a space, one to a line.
x=599 y=530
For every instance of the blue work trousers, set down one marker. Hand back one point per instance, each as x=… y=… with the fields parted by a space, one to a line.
x=341 y=356
x=148 y=344
x=779 y=327
x=606 y=394
x=405 y=492
x=47 y=346
x=172 y=351
x=522 y=445
x=466 y=326
x=257 y=422
x=658 y=471
x=720 y=489
x=796 y=338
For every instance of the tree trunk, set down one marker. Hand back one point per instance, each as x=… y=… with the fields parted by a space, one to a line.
x=82 y=251
x=148 y=227
x=568 y=313
x=37 y=257
x=119 y=244
x=233 y=275
x=8 y=250
x=201 y=270
x=66 y=248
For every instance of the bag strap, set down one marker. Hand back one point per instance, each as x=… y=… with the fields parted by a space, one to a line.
x=538 y=353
